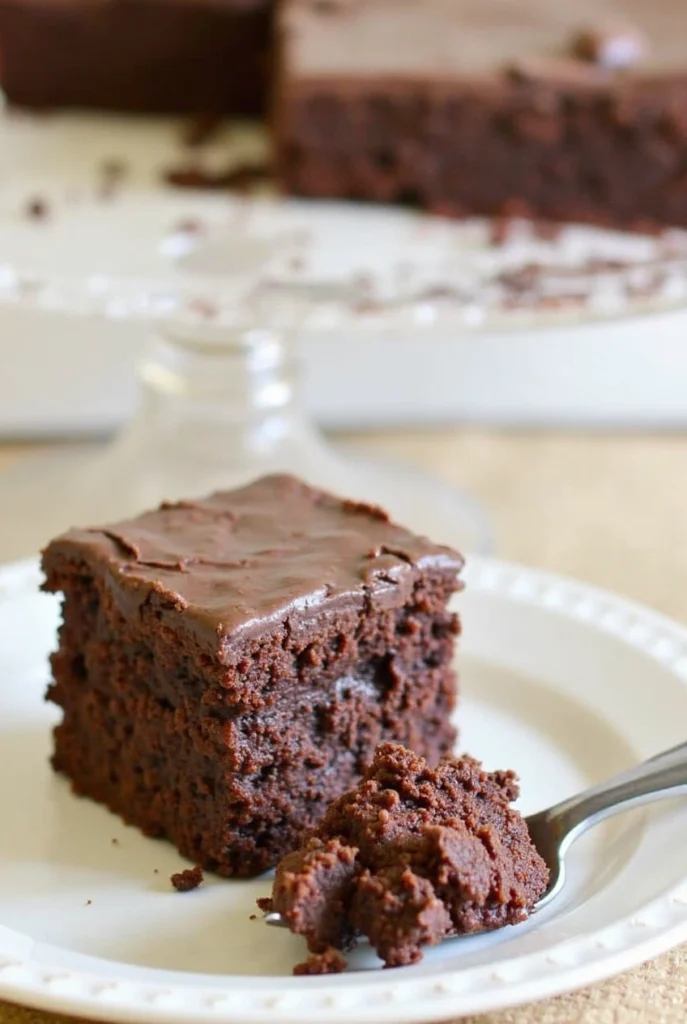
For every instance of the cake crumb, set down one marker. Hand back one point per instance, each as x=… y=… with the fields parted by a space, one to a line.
x=329 y=962
x=203 y=308
x=547 y=230
x=37 y=209
x=500 y=231
x=200 y=129
x=614 y=47
x=240 y=177
x=189 y=226
x=89 y=903
x=114 y=169
x=114 y=841
x=112 y=173
x=253 y=917
x=188 y=879
x=265 y=904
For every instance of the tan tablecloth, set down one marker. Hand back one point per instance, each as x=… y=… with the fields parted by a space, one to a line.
x=611 y=510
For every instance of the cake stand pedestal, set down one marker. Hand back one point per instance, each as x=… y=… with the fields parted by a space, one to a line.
x=220 y=405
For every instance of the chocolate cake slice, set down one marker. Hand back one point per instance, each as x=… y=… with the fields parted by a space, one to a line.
x=554 y=110
x=157 y=56
x=408 y=857
x=227 y=666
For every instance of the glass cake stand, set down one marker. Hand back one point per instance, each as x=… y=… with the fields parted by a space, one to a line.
x=220 y=399
x=219 y=405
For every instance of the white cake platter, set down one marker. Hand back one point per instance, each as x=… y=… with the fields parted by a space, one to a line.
x=399 y=317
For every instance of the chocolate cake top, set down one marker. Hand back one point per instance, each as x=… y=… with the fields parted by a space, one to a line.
x=482 y=37
x=272 y=549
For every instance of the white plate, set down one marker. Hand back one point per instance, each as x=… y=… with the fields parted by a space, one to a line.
x=564 y=683
x=65 y=313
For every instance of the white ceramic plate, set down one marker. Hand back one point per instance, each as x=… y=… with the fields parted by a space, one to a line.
x=564 y=683
x=79 y=287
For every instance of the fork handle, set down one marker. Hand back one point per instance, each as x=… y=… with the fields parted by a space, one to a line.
x=661 y=776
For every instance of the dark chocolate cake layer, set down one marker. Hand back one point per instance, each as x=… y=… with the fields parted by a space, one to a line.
x=158 y=56
x=484 y=106
x=226 y=667
x=234 y=807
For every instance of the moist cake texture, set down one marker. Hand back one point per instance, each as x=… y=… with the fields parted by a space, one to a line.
x=411 y=855
x=227 y=666
x=559 y=111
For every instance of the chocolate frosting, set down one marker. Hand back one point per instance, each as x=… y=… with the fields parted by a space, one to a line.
x=469 y=37
x=226 y=564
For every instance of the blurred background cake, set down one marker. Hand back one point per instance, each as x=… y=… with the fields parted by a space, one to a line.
x=570 y=112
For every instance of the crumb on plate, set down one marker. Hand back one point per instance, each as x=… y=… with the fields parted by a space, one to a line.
x=329 y=962
x=37 y=208
x=188 y=879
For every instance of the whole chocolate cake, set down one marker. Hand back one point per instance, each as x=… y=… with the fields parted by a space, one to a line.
x=227 y=666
